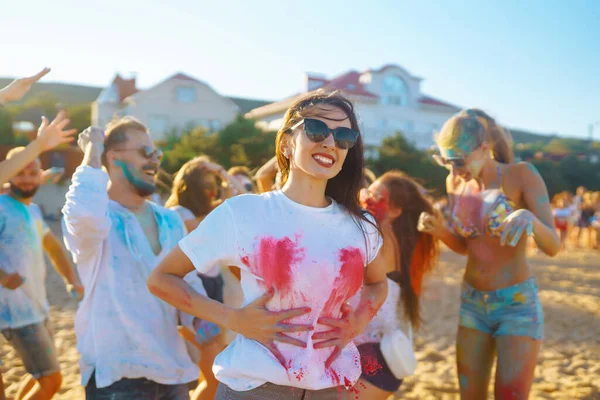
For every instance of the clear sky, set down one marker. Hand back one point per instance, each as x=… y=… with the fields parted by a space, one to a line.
x=533 y=64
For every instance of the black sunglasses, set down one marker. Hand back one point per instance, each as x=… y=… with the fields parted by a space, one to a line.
x=148 y=152
x=317 y=131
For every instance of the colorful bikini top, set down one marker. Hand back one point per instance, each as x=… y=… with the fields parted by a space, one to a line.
x=469 y=218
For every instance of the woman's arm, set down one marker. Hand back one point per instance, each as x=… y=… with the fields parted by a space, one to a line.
x=535 y=195
x=436 y=225
x=354 y=322
x=253 y=321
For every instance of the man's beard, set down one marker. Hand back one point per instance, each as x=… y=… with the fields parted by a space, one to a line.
x=141 y=187
x=23 y=194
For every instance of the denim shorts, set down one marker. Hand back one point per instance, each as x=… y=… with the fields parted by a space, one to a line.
x=136 y=389
x=35 y=345
x=511 y=311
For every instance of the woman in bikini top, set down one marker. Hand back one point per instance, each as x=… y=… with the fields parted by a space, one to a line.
x=495 y=205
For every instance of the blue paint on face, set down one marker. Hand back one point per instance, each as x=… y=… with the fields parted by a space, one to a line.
x=23 y=194
x=451 y=153
x=464 y=380
x=142 y=187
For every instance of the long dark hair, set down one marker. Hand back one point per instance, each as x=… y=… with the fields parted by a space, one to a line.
x=345 y=186
x=418 y=251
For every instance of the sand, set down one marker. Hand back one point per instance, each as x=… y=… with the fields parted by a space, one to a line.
x=568 y=367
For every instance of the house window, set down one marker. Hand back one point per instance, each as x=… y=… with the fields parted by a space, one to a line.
x=158 y=124
x=215 y=125
x=394 y=91
x=185 y=94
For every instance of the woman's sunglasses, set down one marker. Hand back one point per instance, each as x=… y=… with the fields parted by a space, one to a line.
x=450 y=161
x=148 y=152
x=317 y=131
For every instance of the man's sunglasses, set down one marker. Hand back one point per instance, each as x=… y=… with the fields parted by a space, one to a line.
x=148 y=152
x=317 y=131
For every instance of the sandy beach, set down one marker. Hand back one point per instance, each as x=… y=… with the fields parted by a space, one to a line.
x=568 y=367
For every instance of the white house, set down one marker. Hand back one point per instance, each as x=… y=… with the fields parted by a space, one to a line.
x=387 y=100
x=175 y=103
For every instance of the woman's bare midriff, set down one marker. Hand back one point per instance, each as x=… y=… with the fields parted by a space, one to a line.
x=491 y=266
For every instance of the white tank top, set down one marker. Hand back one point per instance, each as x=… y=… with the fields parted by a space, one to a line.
x=386 y=319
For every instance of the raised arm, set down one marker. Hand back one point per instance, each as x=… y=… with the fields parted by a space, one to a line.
x=49 y=136
x=19 y=87
x=86 y=222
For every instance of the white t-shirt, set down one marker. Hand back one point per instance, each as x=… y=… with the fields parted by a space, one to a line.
x=385 y=321
x=312 y=257
x=562 y=212
x=187 y=215
x=22 y=230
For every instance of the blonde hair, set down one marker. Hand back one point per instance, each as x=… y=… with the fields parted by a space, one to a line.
x=472 y=127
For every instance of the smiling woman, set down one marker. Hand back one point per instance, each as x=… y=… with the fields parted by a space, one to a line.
x=303 y=252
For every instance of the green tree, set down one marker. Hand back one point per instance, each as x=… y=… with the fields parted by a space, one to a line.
x=242 y=143
x=180 y=149
x=80 y=116
x=7 y=135
x=395 y=152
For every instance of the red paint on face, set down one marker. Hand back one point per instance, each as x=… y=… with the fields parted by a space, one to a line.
x=378 y=208
x=377 y=204
x=348 y=281
x=273 y=262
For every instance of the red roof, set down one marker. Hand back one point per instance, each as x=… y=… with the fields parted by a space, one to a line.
x=126 y=87
x=183 y=77
x=436 y=102
x=349 y=83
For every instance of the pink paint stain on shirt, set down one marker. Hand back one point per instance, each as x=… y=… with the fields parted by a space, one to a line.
x=348 y=281
x=273 y=261
x=335 y=378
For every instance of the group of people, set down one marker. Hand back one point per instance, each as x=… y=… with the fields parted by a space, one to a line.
x=329 y=260
x=578 y=216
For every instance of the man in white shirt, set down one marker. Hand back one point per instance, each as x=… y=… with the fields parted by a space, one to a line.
x=24 y=309
x=128 y=339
